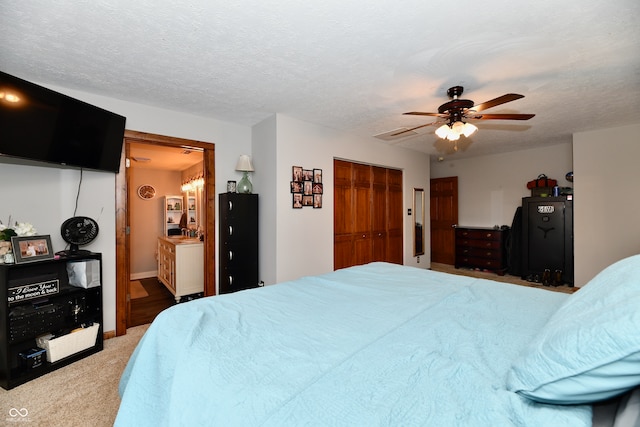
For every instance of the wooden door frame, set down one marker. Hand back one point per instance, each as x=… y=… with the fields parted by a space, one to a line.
x=122 y=217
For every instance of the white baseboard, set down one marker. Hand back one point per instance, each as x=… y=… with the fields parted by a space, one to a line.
x=143 y=275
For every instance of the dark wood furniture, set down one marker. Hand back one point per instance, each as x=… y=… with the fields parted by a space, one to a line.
x=238 y=242
x=482 y=248
x=37 y=299
x=367 y=214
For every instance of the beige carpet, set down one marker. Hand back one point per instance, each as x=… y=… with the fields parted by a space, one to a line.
x=84 y=393
x=445 y=268
x=136 y=290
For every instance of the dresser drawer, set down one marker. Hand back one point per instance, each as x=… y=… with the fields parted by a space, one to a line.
x=466 y=233
x=470 y=243
x=490 y=253
x=476 y=262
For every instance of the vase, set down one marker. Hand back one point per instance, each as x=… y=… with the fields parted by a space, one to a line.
x=244 y=186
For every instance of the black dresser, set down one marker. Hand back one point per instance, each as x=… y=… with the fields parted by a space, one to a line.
x=238 y=242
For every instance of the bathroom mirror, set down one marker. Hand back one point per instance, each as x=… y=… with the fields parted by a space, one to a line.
x=418 y=221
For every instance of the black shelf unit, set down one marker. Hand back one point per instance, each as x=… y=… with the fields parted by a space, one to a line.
x=24 y=319
x=238 y=242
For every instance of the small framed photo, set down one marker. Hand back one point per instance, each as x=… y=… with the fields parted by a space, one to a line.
x=317 y=201
x=297 y=200
x=296 y=187
x=307 y=175
x=308 y=188
x=31 y=248
x=296 y=173
x=317 y=188
x=317 y=176
x=307 y=200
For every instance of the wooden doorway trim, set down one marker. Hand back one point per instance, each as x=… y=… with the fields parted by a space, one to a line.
x=122 y=217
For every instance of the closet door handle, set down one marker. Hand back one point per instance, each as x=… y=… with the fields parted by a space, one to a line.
x=230 y=255
x=231 y=280
x=230 y=205
x=230 y=230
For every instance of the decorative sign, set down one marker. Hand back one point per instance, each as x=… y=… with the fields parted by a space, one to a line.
x=546 y=209
x=33 y=290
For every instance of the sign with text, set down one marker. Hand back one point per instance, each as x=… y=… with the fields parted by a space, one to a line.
x=33 y=290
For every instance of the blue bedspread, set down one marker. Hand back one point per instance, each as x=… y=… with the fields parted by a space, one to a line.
x=373 y=345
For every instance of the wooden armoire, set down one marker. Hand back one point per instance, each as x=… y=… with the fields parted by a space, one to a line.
x=367 y=219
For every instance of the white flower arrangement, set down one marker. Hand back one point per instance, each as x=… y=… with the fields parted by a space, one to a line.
x=19 y=229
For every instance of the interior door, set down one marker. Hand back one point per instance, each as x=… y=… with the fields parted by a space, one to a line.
x=444 y=215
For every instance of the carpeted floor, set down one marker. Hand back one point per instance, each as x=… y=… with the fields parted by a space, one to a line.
x=445 y=268
x=84 y=393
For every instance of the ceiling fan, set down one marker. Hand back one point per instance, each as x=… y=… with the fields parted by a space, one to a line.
x=455 y=113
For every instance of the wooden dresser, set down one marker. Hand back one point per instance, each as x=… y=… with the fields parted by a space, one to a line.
x=482 y=248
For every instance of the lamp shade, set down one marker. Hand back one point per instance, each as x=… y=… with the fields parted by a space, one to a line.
x=244 y=164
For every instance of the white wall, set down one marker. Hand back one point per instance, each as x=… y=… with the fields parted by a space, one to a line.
x=606 y=204
x=302 y=239
x=490 y=188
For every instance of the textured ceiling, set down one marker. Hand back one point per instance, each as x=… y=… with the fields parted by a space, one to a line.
x=351 y=65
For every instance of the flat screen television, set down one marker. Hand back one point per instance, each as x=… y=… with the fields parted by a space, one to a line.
x=40 y=124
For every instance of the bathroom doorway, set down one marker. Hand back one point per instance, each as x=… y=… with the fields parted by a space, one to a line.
x=125 y=191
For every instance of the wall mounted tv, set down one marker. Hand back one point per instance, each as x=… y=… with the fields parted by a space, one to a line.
x=40 y=124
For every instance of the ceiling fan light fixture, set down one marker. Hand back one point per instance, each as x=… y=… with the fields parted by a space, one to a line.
x=469 y=129
x=453 y=136
x=443 y=131
x=458 y=127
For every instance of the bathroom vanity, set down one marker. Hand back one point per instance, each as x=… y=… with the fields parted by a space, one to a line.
x=181 y=265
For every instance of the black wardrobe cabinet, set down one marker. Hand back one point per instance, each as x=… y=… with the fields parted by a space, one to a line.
x=238 y=242
x=547 y=238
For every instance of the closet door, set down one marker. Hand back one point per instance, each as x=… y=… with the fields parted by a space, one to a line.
x=362 y=235
x=342 y=215
x=367 y=214
x=379 y=217
x=394 y=251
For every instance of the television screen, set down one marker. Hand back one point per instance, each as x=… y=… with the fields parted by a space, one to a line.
x=40 y=124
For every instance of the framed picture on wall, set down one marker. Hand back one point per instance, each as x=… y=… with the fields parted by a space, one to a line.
x=307 y=175
x=317 y=201
x=296 y=187
x=317 y=175
x=296 y=173
x=307 y=200
x=297 y=200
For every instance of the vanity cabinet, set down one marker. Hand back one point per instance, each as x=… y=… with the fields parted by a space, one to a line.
x=482 y=248
x=45 y=321
x=173 y=209
x=181 y=265
x=238 y=242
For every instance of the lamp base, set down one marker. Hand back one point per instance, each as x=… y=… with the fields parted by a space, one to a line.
x=244 y=186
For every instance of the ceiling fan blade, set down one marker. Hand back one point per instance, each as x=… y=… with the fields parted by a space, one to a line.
x=497 y=101
x=502 y=116
x=419 y=113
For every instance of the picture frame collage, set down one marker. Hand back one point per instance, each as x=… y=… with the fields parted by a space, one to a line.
x=306 y=187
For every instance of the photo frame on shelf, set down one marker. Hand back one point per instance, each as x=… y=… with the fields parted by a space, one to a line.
x=31 y=248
